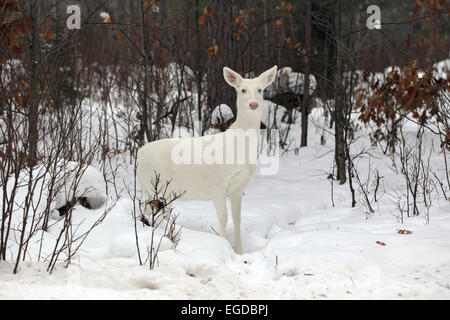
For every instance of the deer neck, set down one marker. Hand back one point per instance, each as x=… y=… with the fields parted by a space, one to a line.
x=245 y=122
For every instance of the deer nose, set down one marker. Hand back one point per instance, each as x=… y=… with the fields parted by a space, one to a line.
x=253 y=105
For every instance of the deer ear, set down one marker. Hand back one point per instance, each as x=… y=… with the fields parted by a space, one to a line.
x=233 y=78
x=268 y=76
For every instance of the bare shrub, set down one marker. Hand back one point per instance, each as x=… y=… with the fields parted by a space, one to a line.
x=155 y=212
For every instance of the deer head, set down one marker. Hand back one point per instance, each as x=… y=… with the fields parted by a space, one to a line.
x=249 y=92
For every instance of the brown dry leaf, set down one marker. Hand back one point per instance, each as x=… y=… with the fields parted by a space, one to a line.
x=47 y=35
x=403 y=231
x=201 y=20
x=25 y=84
x=208 y=11
x=308 y=274
x=381 y=243
x=155 y=204
x=154 y=7
x=213 y=50
x=107 y=20
x=279 y=22
x=289 y=6
x=408 y=41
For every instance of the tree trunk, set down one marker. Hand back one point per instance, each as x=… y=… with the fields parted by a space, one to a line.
x=146 y=121
x=305 y=107
x=266 y=35
x=199 y=71
x=221 y=27
x=33 y=111
x=339 y=101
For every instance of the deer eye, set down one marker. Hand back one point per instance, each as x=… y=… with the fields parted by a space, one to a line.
x=244 y=91
x=259 y=90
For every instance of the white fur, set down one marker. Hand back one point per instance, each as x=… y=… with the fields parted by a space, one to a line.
x=215 y=182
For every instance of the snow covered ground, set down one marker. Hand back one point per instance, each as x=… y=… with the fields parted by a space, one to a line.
x=296 y=246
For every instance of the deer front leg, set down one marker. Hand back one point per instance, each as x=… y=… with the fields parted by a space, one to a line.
x=221 y=209
x=236 y=202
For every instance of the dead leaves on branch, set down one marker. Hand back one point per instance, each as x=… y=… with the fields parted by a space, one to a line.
x=213 y=50
x=13 y=27
x=154 y=7
x=239 y=24
x=152 y=4
x=406 y=92
x=207 y=12
x=286 y=5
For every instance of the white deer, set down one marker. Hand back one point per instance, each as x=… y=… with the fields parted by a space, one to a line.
x=213 y=177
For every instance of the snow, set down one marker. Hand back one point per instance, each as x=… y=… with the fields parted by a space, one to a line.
x=290 y=81
x=296 y=246
x=11 y=69
x=90 y=185
x=221 y=114
x=272 y=114
x=104 y=15
x=174 y=71
x=442 y=68
x=88 y=181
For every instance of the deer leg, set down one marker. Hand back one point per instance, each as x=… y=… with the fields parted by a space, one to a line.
x=221 y=208
x=236 y=202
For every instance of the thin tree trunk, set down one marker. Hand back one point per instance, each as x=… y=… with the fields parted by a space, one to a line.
x=146 y=111
x=198 y=63
x=339 y=101
x=266 y=35
x=221 y=34
x=324 y=88
x=305 y=107
x=33 y=111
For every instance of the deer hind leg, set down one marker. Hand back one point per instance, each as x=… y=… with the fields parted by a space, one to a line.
x=236 y=202
x=222 y=216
